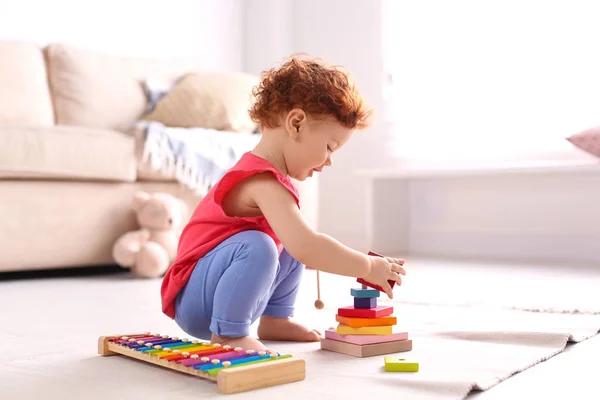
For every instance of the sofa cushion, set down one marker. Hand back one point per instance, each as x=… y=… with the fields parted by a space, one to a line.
x=66 y=152
x=100 y=90
x=24 y=94
x=211 y=100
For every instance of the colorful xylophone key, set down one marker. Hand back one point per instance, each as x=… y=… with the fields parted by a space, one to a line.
x=226 y=364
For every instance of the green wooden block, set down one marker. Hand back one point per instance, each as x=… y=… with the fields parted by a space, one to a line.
x=397 y=364
x=215 y=371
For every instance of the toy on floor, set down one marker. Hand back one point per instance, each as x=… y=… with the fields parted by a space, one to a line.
x=234 y=369
x=366 y=328
x=319 y=303
x=397 y=364
x=150 y=250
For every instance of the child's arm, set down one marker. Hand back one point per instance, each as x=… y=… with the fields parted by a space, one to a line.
x=311 y=248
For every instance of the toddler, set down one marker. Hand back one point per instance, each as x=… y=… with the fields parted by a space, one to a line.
x=243 y=252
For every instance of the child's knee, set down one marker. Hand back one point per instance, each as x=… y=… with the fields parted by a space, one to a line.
x=261 y=248
x=261 y=243
x=254 y=259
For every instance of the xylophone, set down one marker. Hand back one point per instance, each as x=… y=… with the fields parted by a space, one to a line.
x=234 y=369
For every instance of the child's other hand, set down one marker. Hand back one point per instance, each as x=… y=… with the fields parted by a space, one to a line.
x=384 y=269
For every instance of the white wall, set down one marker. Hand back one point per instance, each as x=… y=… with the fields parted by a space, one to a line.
x=268 y=33
x=346 y=32
x=481 y=95
x=481 y=80
x=208 y=30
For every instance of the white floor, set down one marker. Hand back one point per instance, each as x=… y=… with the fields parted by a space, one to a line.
x=40 y=319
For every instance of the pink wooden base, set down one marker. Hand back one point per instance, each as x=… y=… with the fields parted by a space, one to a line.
x=365 y=339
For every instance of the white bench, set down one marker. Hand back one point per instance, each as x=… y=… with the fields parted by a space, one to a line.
x=535 y=212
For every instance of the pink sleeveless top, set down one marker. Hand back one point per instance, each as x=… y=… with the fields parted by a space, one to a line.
x=209 y=226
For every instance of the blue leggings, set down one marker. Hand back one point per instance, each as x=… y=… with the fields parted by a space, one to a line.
x=235 y=283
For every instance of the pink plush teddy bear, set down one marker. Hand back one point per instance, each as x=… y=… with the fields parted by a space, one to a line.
x=150 y=250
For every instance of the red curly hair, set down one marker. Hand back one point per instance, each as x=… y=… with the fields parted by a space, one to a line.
x=310 y=84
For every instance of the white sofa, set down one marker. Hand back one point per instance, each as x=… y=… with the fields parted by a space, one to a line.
x=69 y=158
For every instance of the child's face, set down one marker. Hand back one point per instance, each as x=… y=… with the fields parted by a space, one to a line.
x=312 y=147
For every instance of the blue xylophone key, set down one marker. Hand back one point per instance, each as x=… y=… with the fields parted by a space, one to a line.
x=136 y=345
x=163 y=343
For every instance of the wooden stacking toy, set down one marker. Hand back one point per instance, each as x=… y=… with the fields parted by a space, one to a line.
x=234 y=369
x=366 y=328
x=397 y=364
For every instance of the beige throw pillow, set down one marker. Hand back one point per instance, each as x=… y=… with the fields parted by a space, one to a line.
x=209 y=100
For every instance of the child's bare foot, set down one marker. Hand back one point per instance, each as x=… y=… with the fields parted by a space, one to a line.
x=284 y=329
x=245 y=342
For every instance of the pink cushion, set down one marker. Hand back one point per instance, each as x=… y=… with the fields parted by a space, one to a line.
x=588 y=140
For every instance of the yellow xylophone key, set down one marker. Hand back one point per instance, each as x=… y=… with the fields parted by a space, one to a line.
x=160 y=349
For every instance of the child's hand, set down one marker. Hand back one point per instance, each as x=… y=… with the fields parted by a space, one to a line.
x=384 y=269
x=399 y=261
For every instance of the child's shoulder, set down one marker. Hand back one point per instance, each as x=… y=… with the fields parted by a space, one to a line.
x=253 y=171
x=255 y=167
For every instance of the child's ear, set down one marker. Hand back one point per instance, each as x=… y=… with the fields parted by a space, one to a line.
x=294 y=122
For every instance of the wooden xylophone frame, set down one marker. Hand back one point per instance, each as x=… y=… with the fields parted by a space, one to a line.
x=240 y=378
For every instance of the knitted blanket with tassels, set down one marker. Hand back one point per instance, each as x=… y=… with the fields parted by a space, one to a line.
x=195 y=157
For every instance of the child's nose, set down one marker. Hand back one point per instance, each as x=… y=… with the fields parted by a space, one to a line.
x=329 y=161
